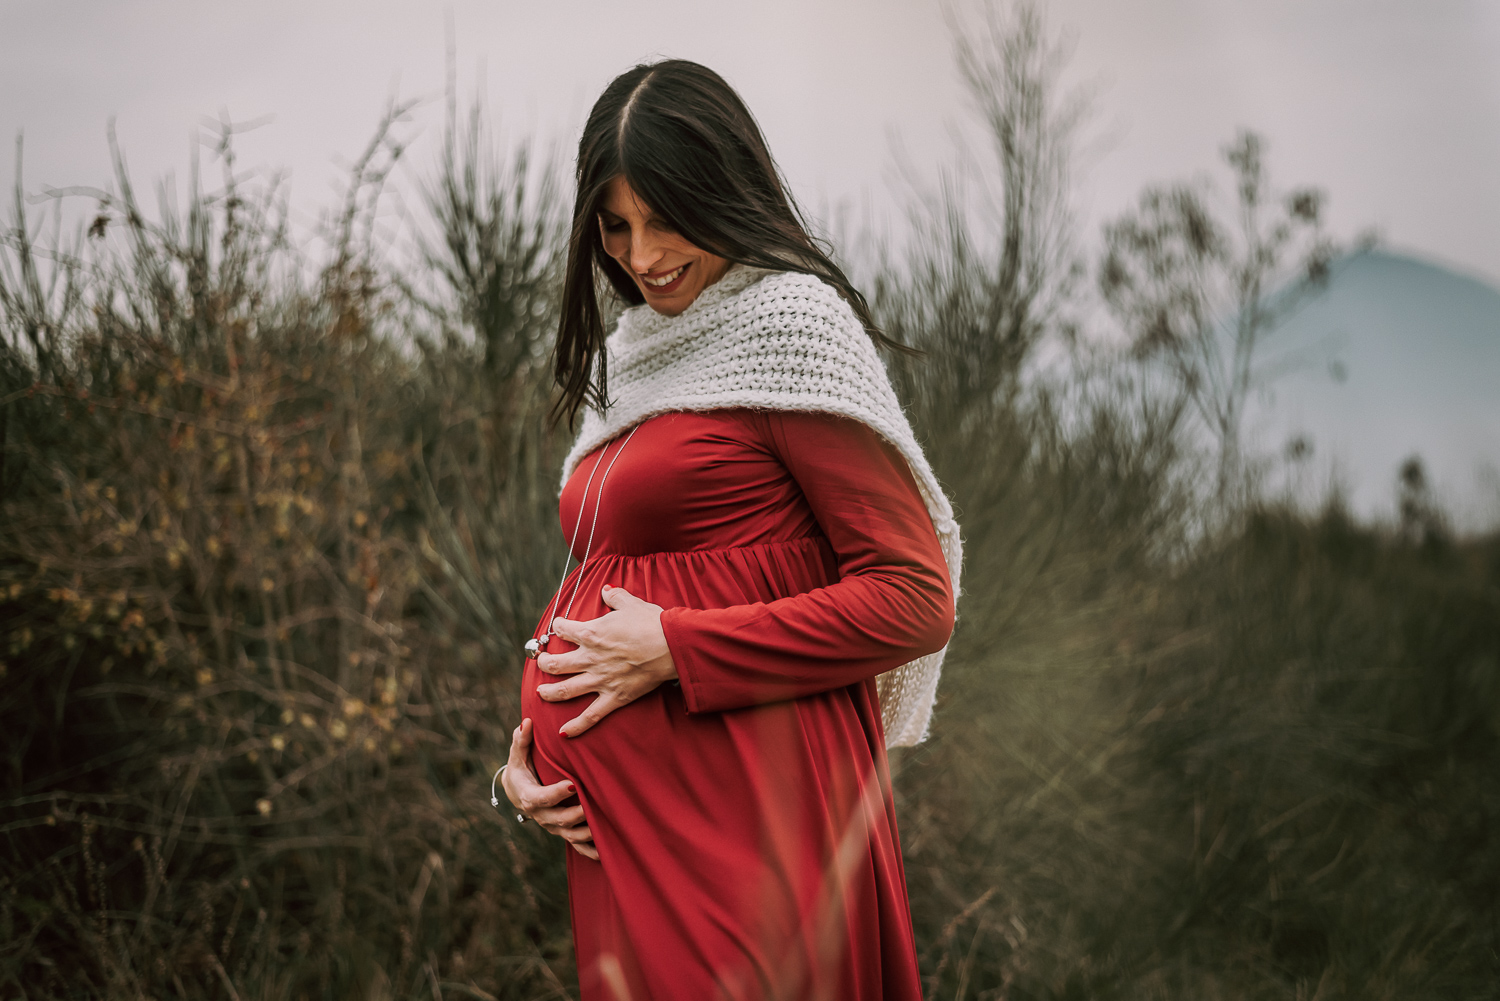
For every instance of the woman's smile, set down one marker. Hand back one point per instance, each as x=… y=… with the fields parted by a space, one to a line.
x=661 y=284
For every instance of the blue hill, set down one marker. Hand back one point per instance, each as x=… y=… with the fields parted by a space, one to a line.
x=1403 y=357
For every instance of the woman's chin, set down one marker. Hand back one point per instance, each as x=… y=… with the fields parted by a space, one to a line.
x=683 y=291
x=673 y=298
x=671 y=305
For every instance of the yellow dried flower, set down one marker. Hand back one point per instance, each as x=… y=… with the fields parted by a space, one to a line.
x=278 y=743
x=264 y=806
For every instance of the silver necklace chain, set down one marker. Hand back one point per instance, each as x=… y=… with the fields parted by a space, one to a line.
x=536 y=646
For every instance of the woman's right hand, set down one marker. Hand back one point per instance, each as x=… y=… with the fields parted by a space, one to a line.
x=539 y=802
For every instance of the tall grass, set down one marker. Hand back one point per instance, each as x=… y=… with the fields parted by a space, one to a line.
x=272 y=530
x=248 y=701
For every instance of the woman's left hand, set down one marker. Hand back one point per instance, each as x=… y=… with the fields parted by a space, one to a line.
x=621 y=655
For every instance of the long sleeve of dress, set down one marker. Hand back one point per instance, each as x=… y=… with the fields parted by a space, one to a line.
x=892 y=601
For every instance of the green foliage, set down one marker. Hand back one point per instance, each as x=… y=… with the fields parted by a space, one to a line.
x=1263 y=775
x=246 y=726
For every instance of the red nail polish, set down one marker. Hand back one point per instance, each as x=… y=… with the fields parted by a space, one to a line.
x=562 y=733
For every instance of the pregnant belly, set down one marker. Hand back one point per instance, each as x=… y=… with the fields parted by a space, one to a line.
x=659 y=723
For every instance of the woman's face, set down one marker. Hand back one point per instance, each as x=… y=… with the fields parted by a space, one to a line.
x=669 y=271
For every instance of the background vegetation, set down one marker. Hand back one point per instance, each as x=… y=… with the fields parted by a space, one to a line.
x=272 y=529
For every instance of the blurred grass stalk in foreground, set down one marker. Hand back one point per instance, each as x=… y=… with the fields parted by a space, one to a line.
x=271 y=535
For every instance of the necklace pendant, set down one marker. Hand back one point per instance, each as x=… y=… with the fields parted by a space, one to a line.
x=536 y=646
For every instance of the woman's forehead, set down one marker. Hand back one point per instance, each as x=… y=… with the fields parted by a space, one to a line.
x=620 y=199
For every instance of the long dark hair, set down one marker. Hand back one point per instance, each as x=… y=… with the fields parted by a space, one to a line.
x=691 y=150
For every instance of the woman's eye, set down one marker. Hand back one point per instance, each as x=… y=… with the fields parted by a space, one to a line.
x=618 y=226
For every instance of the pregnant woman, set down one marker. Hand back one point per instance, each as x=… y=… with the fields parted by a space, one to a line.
x=767 y=581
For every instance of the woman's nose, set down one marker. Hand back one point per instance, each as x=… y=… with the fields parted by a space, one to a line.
x=645 y=252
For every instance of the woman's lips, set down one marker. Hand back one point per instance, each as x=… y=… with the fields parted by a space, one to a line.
x=669 y=287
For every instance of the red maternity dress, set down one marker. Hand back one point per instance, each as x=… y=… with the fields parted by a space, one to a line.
x=743 y=817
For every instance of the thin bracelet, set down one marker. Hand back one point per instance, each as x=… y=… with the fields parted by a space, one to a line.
x=521 y=818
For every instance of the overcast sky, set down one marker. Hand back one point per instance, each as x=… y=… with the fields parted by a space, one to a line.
x=1393 y=106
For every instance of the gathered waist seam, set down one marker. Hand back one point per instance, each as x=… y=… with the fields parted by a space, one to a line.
x=777 y=544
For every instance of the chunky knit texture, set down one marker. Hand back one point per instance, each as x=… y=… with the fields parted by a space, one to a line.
x=775 y=341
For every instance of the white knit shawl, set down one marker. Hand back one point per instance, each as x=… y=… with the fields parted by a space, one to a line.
x=775 y=341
